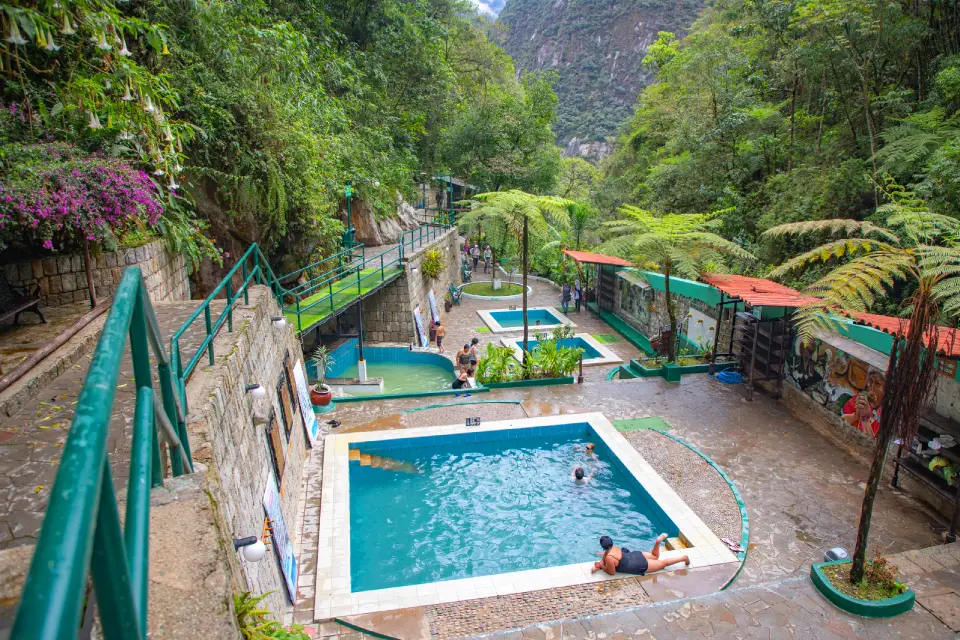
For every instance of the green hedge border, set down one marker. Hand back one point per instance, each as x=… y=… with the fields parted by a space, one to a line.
x=535 y=382
x=744 y=517
x=886 y=608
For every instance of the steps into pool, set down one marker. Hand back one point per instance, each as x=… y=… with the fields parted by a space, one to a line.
x=380 y=462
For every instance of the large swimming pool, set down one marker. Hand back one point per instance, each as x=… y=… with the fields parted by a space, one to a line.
x=499 y=320
x=427 y=515
x=470 y=509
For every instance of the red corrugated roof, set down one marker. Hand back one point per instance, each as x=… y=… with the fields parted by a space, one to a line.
x=947 y=339
x=596 y=258
x=757 y=292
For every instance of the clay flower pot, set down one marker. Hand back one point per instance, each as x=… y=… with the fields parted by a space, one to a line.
x=321 y=395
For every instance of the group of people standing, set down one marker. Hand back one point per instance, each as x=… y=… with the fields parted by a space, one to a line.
x=466 y=362
x=475 y=253
x=567 y=293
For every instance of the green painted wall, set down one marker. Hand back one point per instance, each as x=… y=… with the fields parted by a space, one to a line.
x=682 y=287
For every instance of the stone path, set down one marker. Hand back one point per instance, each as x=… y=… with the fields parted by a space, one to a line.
x=19 y=342
x=791 y=608
x=31 y=439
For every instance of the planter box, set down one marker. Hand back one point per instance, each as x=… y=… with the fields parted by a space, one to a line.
x=536 y=382
x=673 y=372
x=886 y=608
x=413 y=394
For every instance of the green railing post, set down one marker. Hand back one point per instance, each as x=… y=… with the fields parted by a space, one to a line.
x=136 y=526
x=381 y=267
x=111 y=574
x=206 y=318
x=142 y=376
x=246 y=296
x=170 y=408
x=229 y=306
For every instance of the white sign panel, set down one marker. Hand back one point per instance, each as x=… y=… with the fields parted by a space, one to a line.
x=306 y=407
x=418 y=319
x=433 y=306
x=280 y=538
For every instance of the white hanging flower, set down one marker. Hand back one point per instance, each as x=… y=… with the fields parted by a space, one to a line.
x=127 y=96
x=125 y=135
x=51 y=45
x=15 y=36
x=148 y=105
x=173 y=186
x=123 y=50
x=169 y=136
x=107 y=84
x=158 y=171
x=102 y=43
x=67 y=29
x=94 y=121
x=57 y=5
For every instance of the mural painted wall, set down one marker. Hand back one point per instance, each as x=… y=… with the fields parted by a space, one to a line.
x=842 y=384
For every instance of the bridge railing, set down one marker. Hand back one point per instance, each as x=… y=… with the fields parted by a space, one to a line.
x=81 y=533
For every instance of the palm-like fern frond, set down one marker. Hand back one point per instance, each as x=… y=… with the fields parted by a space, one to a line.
x=831 y=227
x=830 y=251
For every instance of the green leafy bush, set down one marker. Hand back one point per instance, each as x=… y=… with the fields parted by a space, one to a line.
x=254 y=624
x=432 y=265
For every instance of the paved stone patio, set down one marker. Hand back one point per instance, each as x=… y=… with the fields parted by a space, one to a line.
x=31 y=439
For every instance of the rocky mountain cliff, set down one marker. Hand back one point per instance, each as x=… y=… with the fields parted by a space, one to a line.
x=596 y=46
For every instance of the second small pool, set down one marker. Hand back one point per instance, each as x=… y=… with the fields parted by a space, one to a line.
x=593 y=351
x=499 y=320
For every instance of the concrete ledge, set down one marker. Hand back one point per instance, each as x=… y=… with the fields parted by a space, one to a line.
x=886 y=608
x=533 y=382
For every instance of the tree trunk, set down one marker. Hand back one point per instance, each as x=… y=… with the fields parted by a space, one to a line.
x=793 y=113
x=526 y=327
x=884 y=436
x=671 y=314
x=89 y=269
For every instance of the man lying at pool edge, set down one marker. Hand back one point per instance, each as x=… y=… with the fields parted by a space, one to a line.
x=639 y=563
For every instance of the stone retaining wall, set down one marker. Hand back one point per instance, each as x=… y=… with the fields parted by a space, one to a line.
x=62 y=279
x=388 y=315
x=228 y=431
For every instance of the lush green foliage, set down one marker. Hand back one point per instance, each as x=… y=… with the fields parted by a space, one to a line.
x=432 y=265
x=548 y=360
x=254 y=623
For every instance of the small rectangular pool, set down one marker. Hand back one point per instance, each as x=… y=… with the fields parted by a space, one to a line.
x=500 y=320
x=594 y=353
x=427 y=515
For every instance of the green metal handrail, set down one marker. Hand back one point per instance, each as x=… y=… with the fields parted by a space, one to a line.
x=81 y=532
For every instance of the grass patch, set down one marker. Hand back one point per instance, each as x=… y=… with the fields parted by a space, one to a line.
x=486 y=289
x=606 y=338
x=638 y=424
x=879 y=583
x=483 y=330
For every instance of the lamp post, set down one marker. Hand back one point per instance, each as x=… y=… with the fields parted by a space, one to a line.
x=349 y=234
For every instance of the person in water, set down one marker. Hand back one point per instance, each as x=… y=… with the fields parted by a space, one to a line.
x=461 y=380
x=617 y=560
x=579 y=476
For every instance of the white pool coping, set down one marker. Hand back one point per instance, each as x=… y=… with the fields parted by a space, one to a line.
x=334 y=597
x=606 y=355
x=495 y=327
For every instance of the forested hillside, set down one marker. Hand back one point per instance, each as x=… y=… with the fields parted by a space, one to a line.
x=245 y=119
x=779 y=112
x=597 y=48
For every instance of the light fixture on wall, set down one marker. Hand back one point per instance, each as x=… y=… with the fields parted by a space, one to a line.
x=279 y=322
x=256 y=391
x=251 y=548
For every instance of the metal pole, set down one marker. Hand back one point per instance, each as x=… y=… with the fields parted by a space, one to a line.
x=348 y=234
x=360 y=328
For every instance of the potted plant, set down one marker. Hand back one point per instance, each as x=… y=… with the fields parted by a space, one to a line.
x=447 y=302
x=321 y=394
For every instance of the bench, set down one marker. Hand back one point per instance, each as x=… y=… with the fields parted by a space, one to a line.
x=14 y=301
x=466 y=272
x=455 y=294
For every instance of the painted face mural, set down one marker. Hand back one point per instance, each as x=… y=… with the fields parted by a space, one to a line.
x=843 y=384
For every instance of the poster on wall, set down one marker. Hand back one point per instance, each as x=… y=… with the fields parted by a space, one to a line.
x=433 y=305
x=841 y=383
x=291 y=393
x=421 y=334
x=280 y=538
x=275 y=444
x=310 y=422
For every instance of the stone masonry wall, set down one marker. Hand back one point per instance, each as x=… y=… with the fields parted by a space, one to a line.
x=645 y=309
x=62 y=278
x=225 y=435
x=388 y=315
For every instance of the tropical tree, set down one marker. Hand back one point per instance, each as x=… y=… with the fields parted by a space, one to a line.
x=521 y=214
x=680 y=244
x=913 y=248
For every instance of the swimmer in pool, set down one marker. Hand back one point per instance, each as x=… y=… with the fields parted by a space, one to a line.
x=617 y=560
x=579 y=476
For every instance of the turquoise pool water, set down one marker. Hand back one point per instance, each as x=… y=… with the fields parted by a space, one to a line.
x=404 y=377
x=483 y=508
x=515 y=318
x=588 y=351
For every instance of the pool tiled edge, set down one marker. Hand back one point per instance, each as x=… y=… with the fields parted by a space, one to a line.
x=606 y=355
x=333 y=589
x=487 y=316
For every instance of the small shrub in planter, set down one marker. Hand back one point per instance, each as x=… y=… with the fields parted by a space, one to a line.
x=321 y=394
